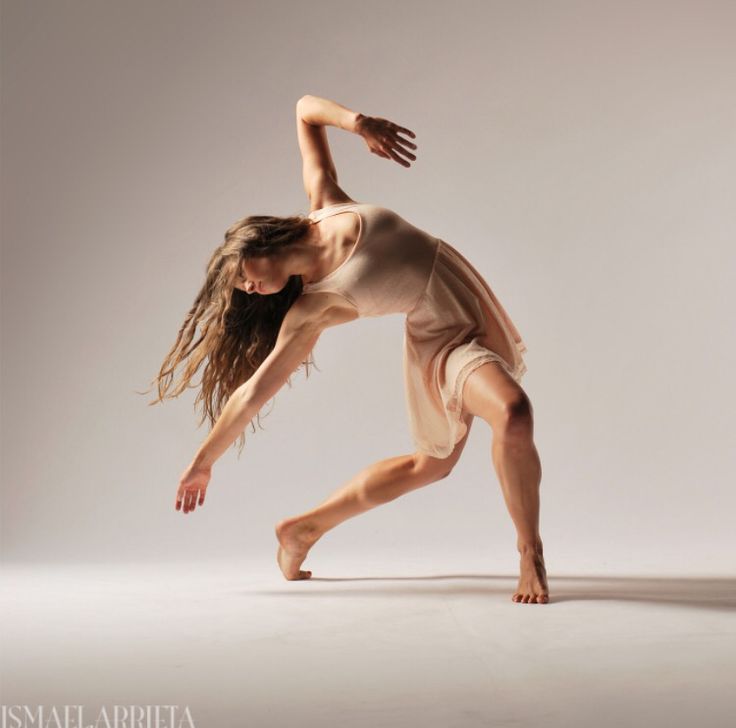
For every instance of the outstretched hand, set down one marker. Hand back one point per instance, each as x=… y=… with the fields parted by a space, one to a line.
x=192 y=487
x=382 y=138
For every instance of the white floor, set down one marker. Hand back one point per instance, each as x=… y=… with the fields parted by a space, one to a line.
x=403 y=646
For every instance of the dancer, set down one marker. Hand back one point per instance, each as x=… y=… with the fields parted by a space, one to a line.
x=277 y=282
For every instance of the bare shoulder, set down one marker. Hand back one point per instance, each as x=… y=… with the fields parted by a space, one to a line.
x=319 y=309
x=324 y=191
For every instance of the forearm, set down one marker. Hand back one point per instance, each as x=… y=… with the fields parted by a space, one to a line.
x=292 y=347
x=323 y=112
x=238 y=411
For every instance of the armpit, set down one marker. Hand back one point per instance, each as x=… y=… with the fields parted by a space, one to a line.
x=339 y=307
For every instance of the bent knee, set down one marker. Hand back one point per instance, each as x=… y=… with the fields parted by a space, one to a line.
x=517 y=415
x=431 y=468
x=518 y=406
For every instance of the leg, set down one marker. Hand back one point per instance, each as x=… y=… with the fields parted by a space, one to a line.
x=379 y=483
x=491 y=393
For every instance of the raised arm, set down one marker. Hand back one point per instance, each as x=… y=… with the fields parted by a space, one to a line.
x=319 y=173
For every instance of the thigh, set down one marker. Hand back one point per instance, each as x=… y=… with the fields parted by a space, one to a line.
x=490 y=392
x=437 y=467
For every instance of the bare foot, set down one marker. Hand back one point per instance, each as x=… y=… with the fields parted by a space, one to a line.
x=295 y=537
x=532 y=586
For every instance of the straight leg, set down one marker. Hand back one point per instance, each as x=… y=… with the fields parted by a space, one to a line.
x=492 y=394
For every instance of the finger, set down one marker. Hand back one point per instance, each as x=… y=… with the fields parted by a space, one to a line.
x=405 y=152
x=404 y=130
x=178 y=502
x=405 y=142
x=201 y=497
x=402 y=154
x=188 y=503
x=395 y=156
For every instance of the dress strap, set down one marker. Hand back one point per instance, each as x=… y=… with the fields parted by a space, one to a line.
x=328 y=210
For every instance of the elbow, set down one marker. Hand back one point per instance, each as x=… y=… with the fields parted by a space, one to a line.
x=299 y=108
x=244 y=393
x=249 y=402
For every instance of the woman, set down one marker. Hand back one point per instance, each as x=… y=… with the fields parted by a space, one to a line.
x=462 y=353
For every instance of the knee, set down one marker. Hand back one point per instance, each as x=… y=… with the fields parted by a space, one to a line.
x=429 y=468
x=517 y=418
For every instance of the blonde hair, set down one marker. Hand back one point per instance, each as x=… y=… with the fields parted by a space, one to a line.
x=237 y=329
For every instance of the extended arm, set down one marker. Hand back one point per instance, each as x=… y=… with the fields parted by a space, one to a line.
x=299 y=333
x=292 y=347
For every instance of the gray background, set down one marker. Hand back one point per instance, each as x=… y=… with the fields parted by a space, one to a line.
x=580 y=154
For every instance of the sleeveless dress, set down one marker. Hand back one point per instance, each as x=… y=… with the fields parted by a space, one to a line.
x=454 y=322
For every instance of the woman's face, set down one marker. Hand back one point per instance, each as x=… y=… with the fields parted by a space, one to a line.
x=261 y=275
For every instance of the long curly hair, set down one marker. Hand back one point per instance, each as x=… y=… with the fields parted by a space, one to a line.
x=237 y=329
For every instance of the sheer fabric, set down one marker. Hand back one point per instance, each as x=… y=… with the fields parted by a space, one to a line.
x=454 y=322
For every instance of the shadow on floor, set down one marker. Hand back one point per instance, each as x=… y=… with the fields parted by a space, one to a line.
x=716 y=593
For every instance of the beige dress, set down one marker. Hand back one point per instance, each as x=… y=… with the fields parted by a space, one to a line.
x=454 y=322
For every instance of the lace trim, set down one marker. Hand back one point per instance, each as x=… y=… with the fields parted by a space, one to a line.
x=456 y=404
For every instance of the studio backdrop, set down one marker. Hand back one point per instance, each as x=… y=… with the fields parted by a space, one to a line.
x=580 y=156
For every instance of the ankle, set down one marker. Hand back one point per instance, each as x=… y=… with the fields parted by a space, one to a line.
x=529 y=547
x=307 y=528
x=298 y=525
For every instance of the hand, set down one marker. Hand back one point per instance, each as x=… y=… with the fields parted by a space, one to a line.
x=382 y=138
x=192 y=487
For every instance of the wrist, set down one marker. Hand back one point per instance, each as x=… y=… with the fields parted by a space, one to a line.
x=355 y=122
x=202 y=460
